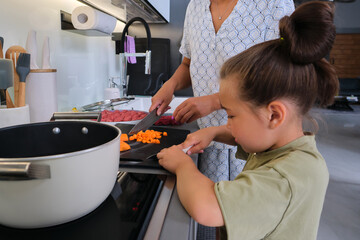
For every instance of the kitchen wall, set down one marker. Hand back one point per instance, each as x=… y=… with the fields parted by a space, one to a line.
x=347 y=15
x=83 y=63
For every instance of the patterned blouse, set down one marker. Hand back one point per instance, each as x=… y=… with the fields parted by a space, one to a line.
x=249 y=23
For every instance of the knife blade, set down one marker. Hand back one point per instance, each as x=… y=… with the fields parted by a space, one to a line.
x=185 y=150
x=146 y=122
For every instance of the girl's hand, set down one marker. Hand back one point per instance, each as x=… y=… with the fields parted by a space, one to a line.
x=173 y=158
x=199 y=140
x=196 y=107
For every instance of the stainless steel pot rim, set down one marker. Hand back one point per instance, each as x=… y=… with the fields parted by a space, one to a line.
x=66 y=155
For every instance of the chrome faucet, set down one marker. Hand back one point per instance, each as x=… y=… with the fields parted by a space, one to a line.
x=124 y=55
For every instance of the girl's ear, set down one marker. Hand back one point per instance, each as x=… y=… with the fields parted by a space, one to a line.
x=277 y=113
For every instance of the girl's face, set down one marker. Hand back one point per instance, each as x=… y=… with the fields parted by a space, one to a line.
x=248 y=125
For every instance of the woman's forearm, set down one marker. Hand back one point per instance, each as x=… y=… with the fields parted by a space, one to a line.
x=181 y=78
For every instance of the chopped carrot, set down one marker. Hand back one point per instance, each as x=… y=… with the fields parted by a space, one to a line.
x=124 y=146
x=124 y=137
x=149 y=136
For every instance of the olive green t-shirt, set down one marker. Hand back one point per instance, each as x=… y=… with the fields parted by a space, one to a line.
x=279 y=195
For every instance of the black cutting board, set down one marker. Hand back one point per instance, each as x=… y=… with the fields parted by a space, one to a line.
x=138 y=155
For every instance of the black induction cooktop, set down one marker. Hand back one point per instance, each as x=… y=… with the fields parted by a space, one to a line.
x=125 y=214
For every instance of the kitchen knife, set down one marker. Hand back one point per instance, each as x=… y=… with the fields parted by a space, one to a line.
x=6 y=77
x=1 y=47
x=146 y=122
x=185 y=150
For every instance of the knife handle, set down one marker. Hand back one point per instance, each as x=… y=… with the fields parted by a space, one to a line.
x=1 y=51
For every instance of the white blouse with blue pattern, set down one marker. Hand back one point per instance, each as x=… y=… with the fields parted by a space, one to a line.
x=249 y=23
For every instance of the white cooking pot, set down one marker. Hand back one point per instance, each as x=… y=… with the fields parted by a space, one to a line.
x=55 y=172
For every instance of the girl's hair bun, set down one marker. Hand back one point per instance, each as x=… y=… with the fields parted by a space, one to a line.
x=309 y=32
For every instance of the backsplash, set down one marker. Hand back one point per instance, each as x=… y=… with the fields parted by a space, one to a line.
x=84 y=64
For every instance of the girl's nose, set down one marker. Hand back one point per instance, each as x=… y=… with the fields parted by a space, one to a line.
x=228 y=125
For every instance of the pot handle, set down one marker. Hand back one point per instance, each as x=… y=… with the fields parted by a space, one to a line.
x=23 y=171
x=96 y=116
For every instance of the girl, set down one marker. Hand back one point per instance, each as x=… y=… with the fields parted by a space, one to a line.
x=266 y=91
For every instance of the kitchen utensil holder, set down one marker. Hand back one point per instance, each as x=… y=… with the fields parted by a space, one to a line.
x=14 y=116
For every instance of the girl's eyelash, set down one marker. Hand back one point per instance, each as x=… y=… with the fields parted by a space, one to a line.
x=229 y=116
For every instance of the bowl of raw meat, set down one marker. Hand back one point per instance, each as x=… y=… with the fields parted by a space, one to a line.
x=123 y=116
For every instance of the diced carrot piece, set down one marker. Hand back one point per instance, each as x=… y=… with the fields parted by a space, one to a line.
x=165 y=133
x=124 y=137
x=124 y=146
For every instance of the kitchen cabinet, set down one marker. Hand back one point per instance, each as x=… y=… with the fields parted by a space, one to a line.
x=163 y=7
x=152 y=11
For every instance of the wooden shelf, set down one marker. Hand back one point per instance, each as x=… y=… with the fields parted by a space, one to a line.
x=345 y=55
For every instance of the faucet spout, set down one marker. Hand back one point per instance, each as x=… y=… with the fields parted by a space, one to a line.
x=131 y=21
x=148 y=36
x=123 y=55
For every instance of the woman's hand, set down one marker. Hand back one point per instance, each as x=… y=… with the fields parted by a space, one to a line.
x=173 y=158
x=196 y=107
x=162 y=99
x=180 y=80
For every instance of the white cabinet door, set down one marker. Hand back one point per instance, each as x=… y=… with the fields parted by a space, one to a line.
x=163 y=7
